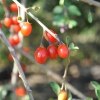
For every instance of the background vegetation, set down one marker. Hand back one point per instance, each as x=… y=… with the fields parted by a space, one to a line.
x=85 y=63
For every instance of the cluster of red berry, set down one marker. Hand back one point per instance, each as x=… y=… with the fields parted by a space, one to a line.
x=52 y=51
x=25 y=29
x=41 y=53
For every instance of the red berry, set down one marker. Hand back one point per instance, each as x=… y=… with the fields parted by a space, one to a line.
x=23 y=67
x=63 y=51
x=17 y=28
x=26 y=49
x=14 y=19
x=26 y=29
x=0 y=25
x=16 y=39
x=13 y=7
x=49 y=37
x=11 y=42
x=52 y=50
x=41 y=54
x=10 y=57
x=20 y=91
x=8 y=21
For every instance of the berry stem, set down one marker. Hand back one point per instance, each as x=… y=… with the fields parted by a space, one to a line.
x=64 y=87
x=36 y=19
x=52 y=74
x=41 y=43
x=48 y=39
x=26 y=16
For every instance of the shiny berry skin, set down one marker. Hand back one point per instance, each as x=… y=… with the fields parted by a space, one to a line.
x=15 y=39
x=0 y=25
x=14 y=19
x=52 y=50
x=62 y=95
x=10 y=57
x=20 y=91
x=17 y=28
x=11 y=42
x=8 y=22
x=49 y=37
x=26 y=29
x=63 y=51
x=13 y=7
x=41 y=54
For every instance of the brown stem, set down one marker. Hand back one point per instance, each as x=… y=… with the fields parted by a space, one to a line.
x=92 y=2
x=6 y=8
x=65 y=75
x=26 y=16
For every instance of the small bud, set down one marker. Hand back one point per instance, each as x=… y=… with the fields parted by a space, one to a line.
x=35 y=8
x=19 y=19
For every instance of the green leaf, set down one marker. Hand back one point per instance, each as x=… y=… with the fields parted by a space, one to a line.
x=95 y=85
x=97 y=93
x=72 y=47
x=55 y=87
x=26 y=97
x=50 y=99
x=72 y=23
x=61 y=2
x=89 y=98
x=90 y=17
x=59 y=20
x=72 y=9
x=57 y=10
x=66 y=3
x=67 y=40
x=3 y=91
x=69 y=95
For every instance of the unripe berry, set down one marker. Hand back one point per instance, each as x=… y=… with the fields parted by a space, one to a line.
x=62 y=95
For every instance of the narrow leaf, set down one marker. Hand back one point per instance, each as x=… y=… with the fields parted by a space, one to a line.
x=72 y=47
x=72 y=9
x=59 y=20
x=66 y=3
x=90 y=17
x=67 y=40
x=97 y=94
x=57 y=10
x=50 y=99
x=69 y=95
x=72 y=23
x=55 y=87
x=95 y=85
x=89 y=98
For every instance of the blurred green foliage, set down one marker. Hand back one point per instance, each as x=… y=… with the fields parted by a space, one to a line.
x=72 y=19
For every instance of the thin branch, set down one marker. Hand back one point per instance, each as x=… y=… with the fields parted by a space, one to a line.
x=17 y=64
x=65 y=75
x=15 y=70
x=92 y=2
x=37 y=20
x=52 y=74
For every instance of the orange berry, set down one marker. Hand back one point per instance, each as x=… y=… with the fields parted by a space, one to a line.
x=62 y=95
